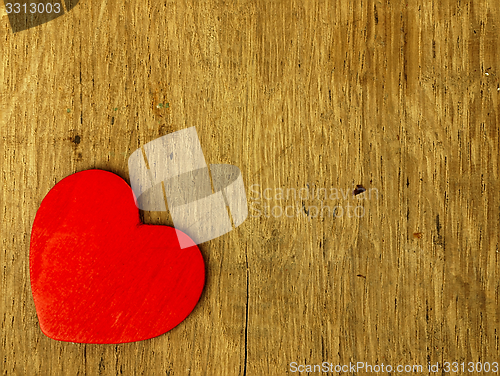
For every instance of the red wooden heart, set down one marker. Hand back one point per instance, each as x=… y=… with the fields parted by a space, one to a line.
x=99 y=275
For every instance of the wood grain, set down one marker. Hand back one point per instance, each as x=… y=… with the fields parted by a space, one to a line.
x=399 y=96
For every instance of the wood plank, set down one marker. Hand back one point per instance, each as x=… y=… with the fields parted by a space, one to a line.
x=401 y=97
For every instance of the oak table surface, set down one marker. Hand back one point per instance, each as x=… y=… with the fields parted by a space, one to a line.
x=401 y=97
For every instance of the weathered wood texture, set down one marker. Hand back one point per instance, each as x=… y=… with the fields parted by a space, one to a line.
x=399 y=96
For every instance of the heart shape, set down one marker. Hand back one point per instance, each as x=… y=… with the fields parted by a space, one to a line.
x=98 y=275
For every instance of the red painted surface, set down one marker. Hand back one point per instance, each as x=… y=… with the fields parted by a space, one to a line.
x=99 y=275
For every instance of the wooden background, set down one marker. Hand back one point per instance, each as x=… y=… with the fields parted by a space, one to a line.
x=399 y=96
